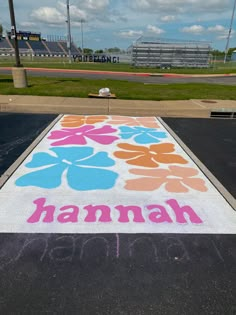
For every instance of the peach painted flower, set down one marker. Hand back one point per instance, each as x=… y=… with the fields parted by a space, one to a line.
x=176 y=179
x=149 y=122
x=77 y=121
x=149 y=156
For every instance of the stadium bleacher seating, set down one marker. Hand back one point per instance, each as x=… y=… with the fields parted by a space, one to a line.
x=54 y=48
x=22 y=44
x=4 y=44
x=38 y=47
x=74 y=50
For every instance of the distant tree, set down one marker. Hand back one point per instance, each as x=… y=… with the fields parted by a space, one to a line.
x=217 y=53
x=99 y=51
x=114 y=50
x=88 y=51
x=230 y=51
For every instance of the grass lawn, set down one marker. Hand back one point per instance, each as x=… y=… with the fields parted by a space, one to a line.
x=219 y=68
x=67 y=87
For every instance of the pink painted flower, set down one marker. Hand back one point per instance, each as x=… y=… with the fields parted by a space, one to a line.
x=78 y=135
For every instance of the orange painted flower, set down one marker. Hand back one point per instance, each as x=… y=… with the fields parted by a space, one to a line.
x=149 y=122
x=77 y=121
x=149 y=156
x=176 y=179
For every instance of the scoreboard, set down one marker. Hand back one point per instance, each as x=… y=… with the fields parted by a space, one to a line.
x=22 y=35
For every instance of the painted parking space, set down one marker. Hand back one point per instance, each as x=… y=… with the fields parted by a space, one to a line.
x=112 y=174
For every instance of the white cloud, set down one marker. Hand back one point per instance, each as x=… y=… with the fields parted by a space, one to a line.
x=27 y=24
x=127 y=18
x=216 y=28
x=168 y=18
x=180 y=6
x=194 y=29
x=221 y=31
x=130 y=34
x=155 y=30
x=95 y=5
x=50 y=16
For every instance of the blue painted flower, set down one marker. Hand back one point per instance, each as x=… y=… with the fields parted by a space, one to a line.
x=142 y=135
x=83 y=169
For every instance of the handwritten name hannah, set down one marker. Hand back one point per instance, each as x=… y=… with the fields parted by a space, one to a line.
x=155 y=213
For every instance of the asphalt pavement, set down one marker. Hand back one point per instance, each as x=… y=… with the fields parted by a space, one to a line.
x=157 y=78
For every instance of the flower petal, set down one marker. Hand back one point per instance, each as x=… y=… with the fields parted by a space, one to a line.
x=80 y=178
x=75 y=139
x=82 y=129
x=103 y=130
x=126 y=135
x=99 y=159
x=131 y=147
x=145 y=138
x=143 y=184
x=158 y=134
x=72 y=121
x=127 y=155
x=124 y=120
x=59 y=134
x=95 y=119
x=49 y=177
x=144 y=160
x=183 y=171
x=163 y=148
x=42 y=159
x=175 y=185
x=195 y=183
x=144 y=129
x=169 y=158
x=148 y=122
x=128 y=129
x=102 y=139
x=73 y=154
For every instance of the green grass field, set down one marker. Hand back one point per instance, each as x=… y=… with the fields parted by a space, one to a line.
x=60 y=63
x=124 y=90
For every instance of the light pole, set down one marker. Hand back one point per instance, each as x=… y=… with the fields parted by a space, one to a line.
x=18 y=72
x=82 y=39
x=13 y=33
x=230 y=29
x=68 y=30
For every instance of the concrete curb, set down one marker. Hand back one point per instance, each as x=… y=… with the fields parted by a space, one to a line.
x=90 y=106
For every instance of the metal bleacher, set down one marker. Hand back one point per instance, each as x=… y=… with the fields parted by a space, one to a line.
x=170 y=53
x=74 y=50
x=31 y=44
x=4 y=43
x=22 y=44
x=38 y=48
x=54 y=48
x=5 y=47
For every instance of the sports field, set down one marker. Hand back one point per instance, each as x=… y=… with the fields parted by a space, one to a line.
x=62 y=63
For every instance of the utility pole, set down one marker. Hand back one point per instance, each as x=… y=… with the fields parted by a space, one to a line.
x=13 y=33
x=230 y=30
x=18 y=72
x=82 y=40
x=68 y=30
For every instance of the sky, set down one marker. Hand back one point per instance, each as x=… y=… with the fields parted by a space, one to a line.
x=119 y=23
